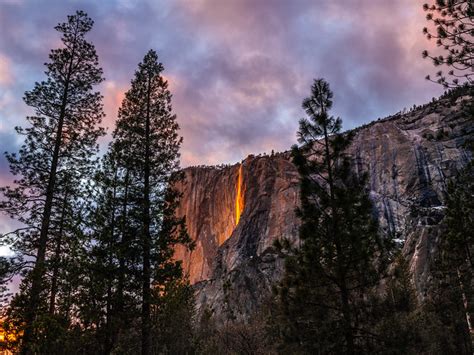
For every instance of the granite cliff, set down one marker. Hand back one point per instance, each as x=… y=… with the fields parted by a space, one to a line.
x=234 y=213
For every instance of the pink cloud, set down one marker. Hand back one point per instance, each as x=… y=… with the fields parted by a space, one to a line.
x=239 y=69
x=113 y=93
x=6 y=76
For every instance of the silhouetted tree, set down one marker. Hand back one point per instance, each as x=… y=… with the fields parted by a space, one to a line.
x=323 y=293
x=451 y=295
x=172 y=319
x=399 y=322
x=103 y=252
x=147 y=132
x=453 y=30
x=60 y=141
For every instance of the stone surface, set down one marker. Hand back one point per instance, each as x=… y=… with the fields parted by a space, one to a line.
x=409 y=157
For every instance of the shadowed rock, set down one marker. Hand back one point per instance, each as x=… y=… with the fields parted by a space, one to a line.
x=409 y=157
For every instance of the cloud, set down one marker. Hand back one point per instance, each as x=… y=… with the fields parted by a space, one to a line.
x=238 y=69
x=261 y=57
x=6 y=76
x=113 y=93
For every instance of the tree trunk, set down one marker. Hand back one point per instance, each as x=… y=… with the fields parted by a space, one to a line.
x=146 y=235
x=110 y=277
x=465 y=303
x=39 y=268
x=346 y=313
x=123 y=245
x=57 y=258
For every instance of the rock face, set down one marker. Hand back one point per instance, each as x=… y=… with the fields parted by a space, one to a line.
x=235 y=213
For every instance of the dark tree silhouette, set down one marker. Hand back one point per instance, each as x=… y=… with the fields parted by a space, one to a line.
x=147 y=133
x=452 y=23
x=323 y=293
x=453 y=275
x=57 y=152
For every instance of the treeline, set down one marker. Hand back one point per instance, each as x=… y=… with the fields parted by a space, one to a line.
x=348 y=289
x=447 y=99
x=95 y=250
x=96 y=244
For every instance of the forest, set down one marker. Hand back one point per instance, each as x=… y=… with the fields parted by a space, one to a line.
x=95 y=253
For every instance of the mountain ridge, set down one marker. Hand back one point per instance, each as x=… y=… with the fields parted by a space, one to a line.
x=410 y=158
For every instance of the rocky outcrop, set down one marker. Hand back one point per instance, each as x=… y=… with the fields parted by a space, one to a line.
x=235 y=213
x=410 y=159
x=268 y=196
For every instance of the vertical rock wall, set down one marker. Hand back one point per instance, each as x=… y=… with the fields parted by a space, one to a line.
x=410 y=158
x=209 y=207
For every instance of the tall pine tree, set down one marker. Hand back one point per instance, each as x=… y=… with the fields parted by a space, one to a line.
x=112 y=278
x=459 y=238
x=59 y=145
x=322 y=297
x=451 y=289
x=147 y=133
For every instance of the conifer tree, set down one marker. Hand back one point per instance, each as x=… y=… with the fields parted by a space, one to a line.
x=398 y=319
x=453 y=22
x=172 y=319
x=459 y=237
x=111 y=289
x=59 y=145
x=147 y=133
x=451 y=296
x=103 y=249
x=322 y=297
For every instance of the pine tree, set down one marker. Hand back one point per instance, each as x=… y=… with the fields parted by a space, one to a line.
x=58 y=148
x=147 y=132
x=322 y=295
x=453 y=22
x=451 y=296
x=109 y=296
x=460 y=237
x=103 y=250
x=398 y=320
x=172 y=319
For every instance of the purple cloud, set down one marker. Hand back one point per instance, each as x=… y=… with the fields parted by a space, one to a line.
x=238 y=69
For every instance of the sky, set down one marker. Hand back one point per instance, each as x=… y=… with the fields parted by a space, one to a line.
x=238 y=69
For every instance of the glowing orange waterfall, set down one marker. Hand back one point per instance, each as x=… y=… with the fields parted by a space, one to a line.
x=239 y=197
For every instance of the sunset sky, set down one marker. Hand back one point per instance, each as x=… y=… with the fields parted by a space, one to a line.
x=238 y=69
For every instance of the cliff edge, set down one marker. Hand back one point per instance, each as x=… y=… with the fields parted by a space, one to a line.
x=234 y=213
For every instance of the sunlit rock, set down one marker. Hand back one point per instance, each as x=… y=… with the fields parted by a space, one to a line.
x=235 y=213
